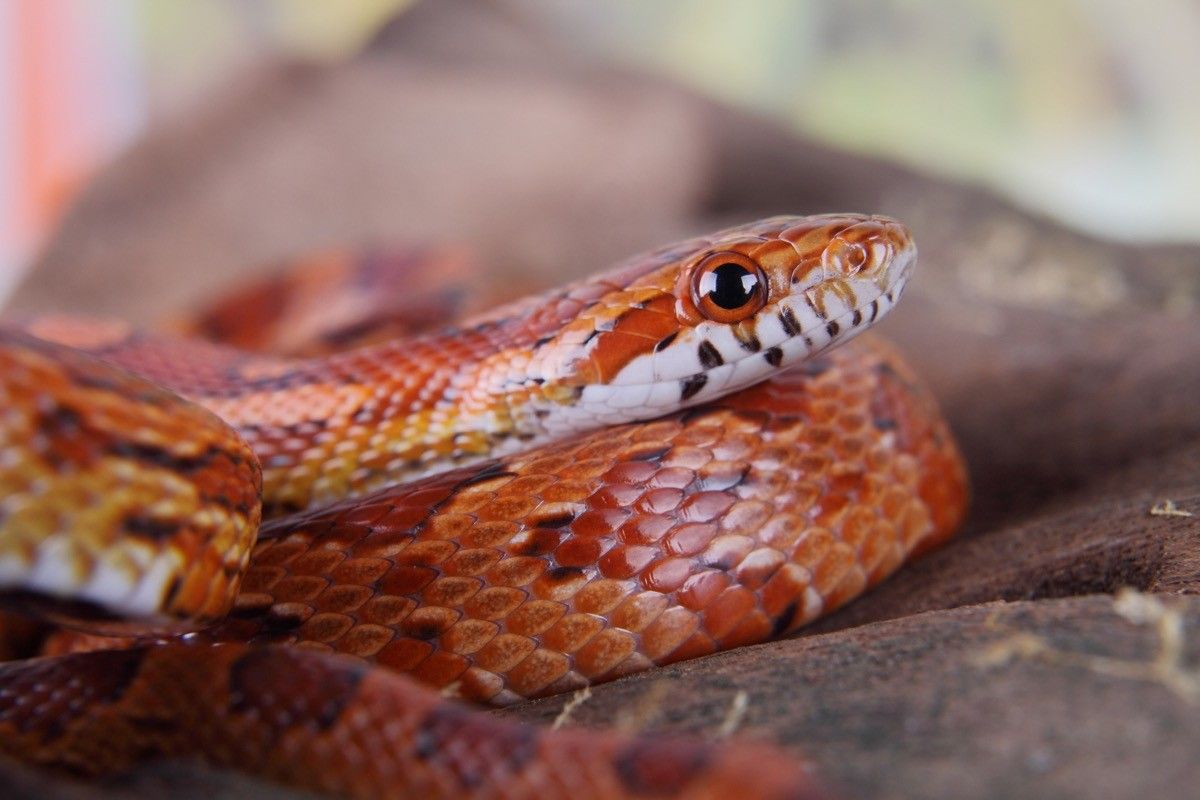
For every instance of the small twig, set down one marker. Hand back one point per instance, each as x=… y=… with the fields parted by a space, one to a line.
x=734 y=716
x=1167 y=508
x=579 y=698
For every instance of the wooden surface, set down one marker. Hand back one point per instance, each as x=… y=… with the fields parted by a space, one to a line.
x=1067 y=366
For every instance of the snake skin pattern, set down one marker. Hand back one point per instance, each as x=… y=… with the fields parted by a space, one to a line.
x=505 y=525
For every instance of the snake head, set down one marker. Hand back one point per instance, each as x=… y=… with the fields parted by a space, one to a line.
x=705 y=317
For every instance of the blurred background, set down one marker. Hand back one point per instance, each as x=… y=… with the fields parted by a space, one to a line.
x=1082 y=109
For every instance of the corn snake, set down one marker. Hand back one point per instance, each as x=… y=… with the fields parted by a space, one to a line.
x=483 y=508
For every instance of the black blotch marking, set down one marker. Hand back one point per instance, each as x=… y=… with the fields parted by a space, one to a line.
x=560 y=574
x=784 y=620
x=856 y=320
x=832 y=329
x=556 y=521
x=545 y=340
x=425 y=633
x=595 y=332
x=541 y=413
x=159 y=457
x=651 y=454
x=276 y=621
x=709 y=355
x=690 y=387
x=665 y=342
x=874 y=309
x=489 y=471
x=774 y=356
x=149 y=527
x=787 y=318
x=660 y=767
x=885 y=423
x=258 y=678
x=474 y=748
x=539 y=542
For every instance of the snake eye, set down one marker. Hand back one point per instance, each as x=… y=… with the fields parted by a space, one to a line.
x=728 y=287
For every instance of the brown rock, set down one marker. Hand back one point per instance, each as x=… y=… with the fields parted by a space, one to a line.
x=1067 y=366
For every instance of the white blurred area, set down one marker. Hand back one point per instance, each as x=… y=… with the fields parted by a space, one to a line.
x=1088 y=110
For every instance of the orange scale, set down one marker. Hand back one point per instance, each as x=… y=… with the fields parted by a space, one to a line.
x=474 y=561
x=633 y=473
x=604 y=652
x=260 y=578
x=559 y=584
x=534 y=617
x=578 y=552
x=690 y=458
x=367 y=514
x=343 y=599
x=539 y=669
x=504 y=652
x=495 y=602
x=402 y=517
x=786 y=589
x=450 y=592
x=599 y=522
x=507 y=508
x=298 y=588
x=365 y=641
x=601 y=595
x=858 y=523
x=853 y=582
x=625 y=561
x=360 y=571
x=702 y=588
x=572 y=632
x=272 y=553
x=645 y=529
x=831 y=569
x=639 y=610
x=440 y=668
x=568 y=491
x=383 y=544
x=667 y=576
x=697 y=645
x=516 y=571
x=672 y=628
x=727 y=611
x=753 y=628
x=689 y=539
x=386 y=609
x=527 y=484
x=672 y=478
x=426 y=553
x=325 y=627
x=705 y=506
x=489 y=534
x=727 y=551
x=447 y=526
x=480 y=685
x=615 y=496
x=758 y=567
x=722 y=475
x=660 y=432
x=405 y=580
x=469 y=635
x=427 y=623
x=659 y=501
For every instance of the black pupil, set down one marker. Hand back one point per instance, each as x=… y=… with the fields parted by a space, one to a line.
x=730 y=286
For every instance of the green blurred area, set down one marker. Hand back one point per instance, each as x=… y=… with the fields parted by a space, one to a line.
x=1086 y=109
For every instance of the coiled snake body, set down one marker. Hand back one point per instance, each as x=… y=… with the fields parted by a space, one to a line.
x=655 y=464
